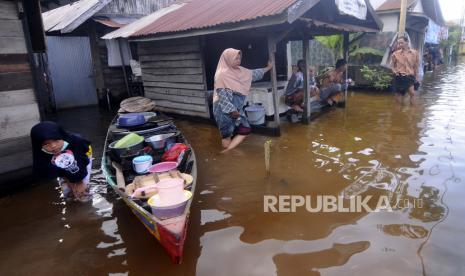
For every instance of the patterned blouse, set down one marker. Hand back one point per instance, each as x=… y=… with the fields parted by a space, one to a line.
x=226 y=95
x=405 y=62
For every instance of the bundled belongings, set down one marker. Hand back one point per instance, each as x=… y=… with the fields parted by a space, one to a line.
x=136 y=104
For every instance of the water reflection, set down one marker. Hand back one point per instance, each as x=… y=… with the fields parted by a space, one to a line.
x=374 y=147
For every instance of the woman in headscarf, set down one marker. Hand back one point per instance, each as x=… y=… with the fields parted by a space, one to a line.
x=232 y=84
x=58 y=153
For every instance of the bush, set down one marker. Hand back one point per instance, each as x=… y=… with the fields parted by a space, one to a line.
x=380 y=78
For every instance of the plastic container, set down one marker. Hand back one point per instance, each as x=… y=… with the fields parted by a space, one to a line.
x=163 y=167
x=142 y=163
x=129 y=140
x=159 y=141
x=170 y=191
x=163 y=211
x=128 y=120
x=121 y=151
x=255 y=114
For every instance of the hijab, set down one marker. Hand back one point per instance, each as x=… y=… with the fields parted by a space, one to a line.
x=236 y=78
x=48 y=130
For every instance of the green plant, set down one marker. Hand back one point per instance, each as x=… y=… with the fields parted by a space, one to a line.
x=453 y=40
x=366 y=51
x=333 y=42
x=380 y=78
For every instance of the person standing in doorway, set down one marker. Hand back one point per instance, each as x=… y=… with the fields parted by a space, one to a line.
x=404 y=63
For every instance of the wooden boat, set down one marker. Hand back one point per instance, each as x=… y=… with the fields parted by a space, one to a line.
x=171 y=232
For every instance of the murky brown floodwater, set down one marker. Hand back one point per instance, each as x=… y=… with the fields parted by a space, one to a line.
x=373 y=147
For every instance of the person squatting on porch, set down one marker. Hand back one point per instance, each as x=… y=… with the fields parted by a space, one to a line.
x=232 y=84
x=58 y=153
x=294 y=95
x=404 y=63
x=333 y=83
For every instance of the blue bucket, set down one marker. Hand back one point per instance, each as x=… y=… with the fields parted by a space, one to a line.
x=255 y=114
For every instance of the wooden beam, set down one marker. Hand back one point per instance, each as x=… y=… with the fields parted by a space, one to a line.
x=173 y=85
x=174 y=78
x=10 y=68
x=346 y=44
x=175 y=98
x=299 y=8
x=307 y=106
x=171 y=71
x=11 y=146
x=15 y=161
x=11 y=28
x=176 y=91
x=173 y=63
x=144 y=50
x=123 y=68
x=274 y=86
x=169 y=43
x=96 y=61
x=203 y=43
x=403 y=17
x=8 y=10
x=12 y=45
x=169 y=57
x=15 y=81
x=17 y=97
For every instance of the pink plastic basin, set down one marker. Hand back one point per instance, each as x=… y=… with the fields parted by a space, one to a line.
x=163 y=167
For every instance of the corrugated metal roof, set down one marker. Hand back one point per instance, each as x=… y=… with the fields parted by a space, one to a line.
x=67 y=18
x=393 y=5
x=134 y=7
x=115 y=22
x=198 y=14
x=130 y=29
x=430 y=7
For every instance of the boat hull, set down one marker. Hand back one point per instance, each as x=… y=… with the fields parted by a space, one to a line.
x=171 y=233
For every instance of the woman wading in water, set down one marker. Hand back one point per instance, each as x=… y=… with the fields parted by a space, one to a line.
x=232 y=84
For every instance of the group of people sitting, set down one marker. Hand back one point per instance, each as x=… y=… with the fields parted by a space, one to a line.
x=232 y=85
x=328 y=87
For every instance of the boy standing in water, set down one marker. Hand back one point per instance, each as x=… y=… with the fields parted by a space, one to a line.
x=404 y=64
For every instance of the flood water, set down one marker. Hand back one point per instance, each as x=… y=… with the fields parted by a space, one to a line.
x=373 y=147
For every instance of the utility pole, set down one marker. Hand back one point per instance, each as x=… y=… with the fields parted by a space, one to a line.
x=402 y=18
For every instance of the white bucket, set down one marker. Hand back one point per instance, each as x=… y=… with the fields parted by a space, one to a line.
x=255 y=114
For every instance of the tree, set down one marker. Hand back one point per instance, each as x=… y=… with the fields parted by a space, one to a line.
x=453 y=40
x=333 y=42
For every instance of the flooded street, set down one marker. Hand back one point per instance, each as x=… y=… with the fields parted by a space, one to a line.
x=373 y=147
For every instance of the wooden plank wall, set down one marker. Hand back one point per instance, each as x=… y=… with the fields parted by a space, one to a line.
x=173 y=75
x=113 y=77
x=18 y=105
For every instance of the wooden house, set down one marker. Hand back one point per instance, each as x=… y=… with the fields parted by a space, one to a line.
x=179 y=49
x=84 y=70
x=21 y=35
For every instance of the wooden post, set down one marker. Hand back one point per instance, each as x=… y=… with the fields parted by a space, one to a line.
x=123 y=67
x=403 y=17
x=96 y=62
x=274 y=85
x=307 y=107
x=346 y=57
